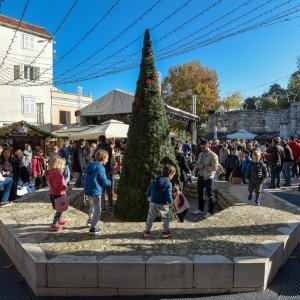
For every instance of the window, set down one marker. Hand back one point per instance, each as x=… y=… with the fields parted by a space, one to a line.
x=28 y=42
x=28 y=72
x=31 y=73
x=64 y=117
x=28 y=105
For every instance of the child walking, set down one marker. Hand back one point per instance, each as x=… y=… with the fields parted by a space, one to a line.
x=181 y=203
x=57 y=189
x=160 y=193
x=256 y=173
x=95 y=180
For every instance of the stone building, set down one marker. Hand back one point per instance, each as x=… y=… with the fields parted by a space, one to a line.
x=263 y=122
x=22 y=70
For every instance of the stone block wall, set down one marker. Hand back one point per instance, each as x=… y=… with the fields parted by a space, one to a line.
x=260 y=121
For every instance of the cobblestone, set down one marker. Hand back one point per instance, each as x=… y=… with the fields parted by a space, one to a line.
x=236 y=231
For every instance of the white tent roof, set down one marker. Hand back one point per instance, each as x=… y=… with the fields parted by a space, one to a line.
x=242 y=134
x=120 y=102
x=65 y=132
x=111 y=129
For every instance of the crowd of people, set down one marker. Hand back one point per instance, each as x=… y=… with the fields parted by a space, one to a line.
x=94 y=166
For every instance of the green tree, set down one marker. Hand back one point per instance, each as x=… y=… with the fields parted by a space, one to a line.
x=189 y=79
x=294 y=85
x=148 y=144
x=231 y=102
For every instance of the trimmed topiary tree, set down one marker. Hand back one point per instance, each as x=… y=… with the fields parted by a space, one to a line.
x=148 y=146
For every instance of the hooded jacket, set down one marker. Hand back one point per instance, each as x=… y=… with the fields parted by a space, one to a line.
x=56 y=182
x=160 y=190
x=95 y=179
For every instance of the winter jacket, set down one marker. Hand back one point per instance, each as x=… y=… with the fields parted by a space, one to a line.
x=256 y=172
x=27 y=157
x=160 y=190
x=183 y=166
x=232 y=161
x=107 y=148
x=56 y=182
x=65 y=153
x=288 y=155
x=295 y=146
x=181 y=203
x=95 y=179
x=223 y=153
x=37 y=165
x=245 y=163
x=210 y=163
x=79 y=160
x=276 y=154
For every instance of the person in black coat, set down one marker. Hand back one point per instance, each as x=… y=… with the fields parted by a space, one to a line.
x=79 y=162
x=185 y=172
x=232 y=164
x=287 y=163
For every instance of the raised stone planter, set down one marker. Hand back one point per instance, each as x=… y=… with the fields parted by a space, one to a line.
x=88 y=274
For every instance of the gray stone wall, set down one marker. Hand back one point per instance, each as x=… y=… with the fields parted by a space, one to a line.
x=260 y=121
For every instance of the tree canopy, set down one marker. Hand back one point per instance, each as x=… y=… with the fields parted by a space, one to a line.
x=184 y=81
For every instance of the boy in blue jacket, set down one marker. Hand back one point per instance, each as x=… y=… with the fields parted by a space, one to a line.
x=160 y=193
x=95 y=180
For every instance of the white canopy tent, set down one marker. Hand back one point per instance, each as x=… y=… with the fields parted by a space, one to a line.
x=111 y=129
x=242 y=134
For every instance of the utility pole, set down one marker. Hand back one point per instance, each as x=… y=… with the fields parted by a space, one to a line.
x=194 y=111
x=79 y=105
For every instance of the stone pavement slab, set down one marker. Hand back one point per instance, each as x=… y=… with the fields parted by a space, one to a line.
x=239 y=231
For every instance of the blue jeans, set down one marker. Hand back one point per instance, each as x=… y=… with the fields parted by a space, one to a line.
x=67 y=174
x=287 y=167
x=275 y=174
x=7 y=183
x=208 y=185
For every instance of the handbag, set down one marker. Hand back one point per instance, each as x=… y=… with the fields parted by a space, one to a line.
x=61 y=204
x=1 y=177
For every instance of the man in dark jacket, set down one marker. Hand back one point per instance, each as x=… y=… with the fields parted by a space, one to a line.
x=276 y=162
x=103 y=145
x=79 y=162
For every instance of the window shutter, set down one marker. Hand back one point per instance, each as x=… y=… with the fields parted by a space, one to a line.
x=68 y=117
x=31 y=106
x=26 y=105
x=62 y=117
x=31 y=73
x=36 y=73
x=31 y=43
x=16 y=72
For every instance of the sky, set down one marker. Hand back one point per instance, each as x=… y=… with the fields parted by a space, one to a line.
x=247 y=62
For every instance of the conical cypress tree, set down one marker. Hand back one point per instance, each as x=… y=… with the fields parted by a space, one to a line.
x=148 y=144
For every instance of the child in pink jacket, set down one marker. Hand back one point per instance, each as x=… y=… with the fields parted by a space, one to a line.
x=58 y=188
x=180 y=202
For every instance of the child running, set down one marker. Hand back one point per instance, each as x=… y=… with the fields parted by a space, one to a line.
x=180 y=202
x=57 y=189
x=256 y=173
x=160 y=193
x=95 y=180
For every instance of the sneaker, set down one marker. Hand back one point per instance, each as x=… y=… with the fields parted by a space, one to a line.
x=207 y=215
x=55 y=227
x=88 y=223
x=146 y=233
x=198 y=212
x=250 y=197
x=62 y=222
x=277 y=186
x=166 y=234
x=6 y=204
x=257 y=202
x=95 y=231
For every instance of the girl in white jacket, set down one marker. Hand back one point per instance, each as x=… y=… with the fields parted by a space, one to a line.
x=180 y=202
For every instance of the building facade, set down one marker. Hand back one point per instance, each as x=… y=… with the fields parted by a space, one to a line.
x=64 y=106
x=263 y=122
x=26 y=73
